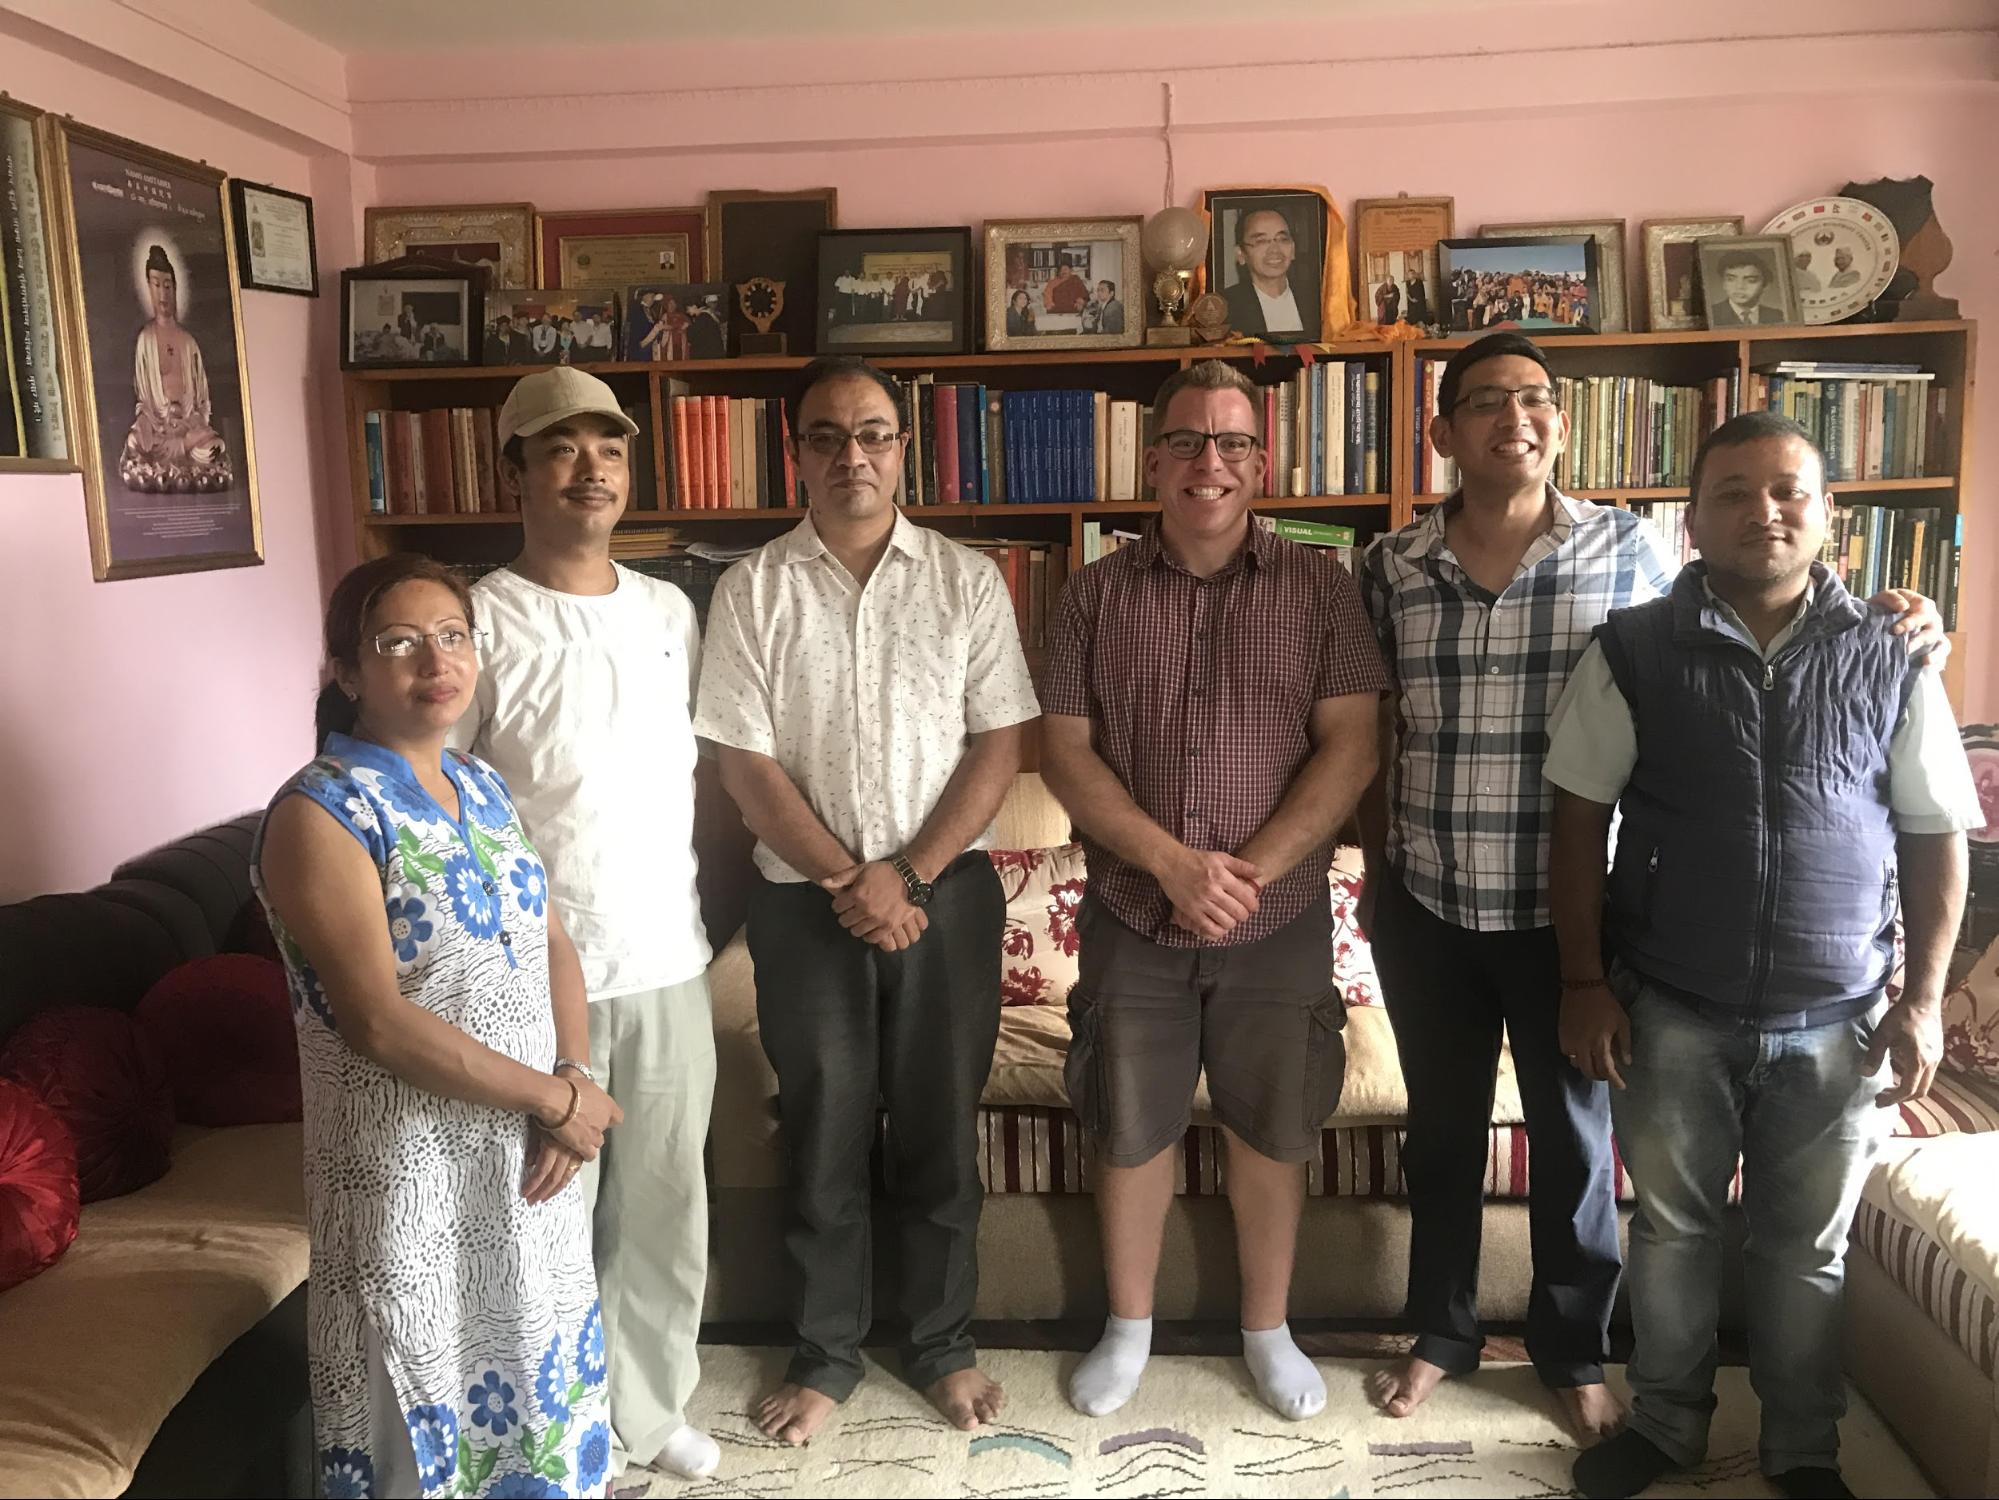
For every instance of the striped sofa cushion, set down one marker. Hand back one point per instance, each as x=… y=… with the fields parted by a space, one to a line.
x=1955 y=1105
x=1955 y=1301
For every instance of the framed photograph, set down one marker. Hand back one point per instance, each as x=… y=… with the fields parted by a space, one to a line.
x=274 y=243
x=677 y=320
x=1613 y=314
x=621 y=247
x=498 y=237
x=1539 y=286
x=36 y=433
x=1396 y=240
x=1746 y=281
x=1267 y=258
x=1672 y=269
x=895 y=291
x=162 y=402
x=414 y=312
x=550 y=327
x=775 y=235
x=1064 y=284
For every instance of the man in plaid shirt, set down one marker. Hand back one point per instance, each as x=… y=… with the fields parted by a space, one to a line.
x=1483 y=608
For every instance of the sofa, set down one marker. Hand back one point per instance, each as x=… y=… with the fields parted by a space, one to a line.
x=164 y=1353
x=1924 y=1267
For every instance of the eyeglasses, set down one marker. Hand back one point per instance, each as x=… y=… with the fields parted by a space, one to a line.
x=1185 y=443
x=400 y=643
x=831 y=444
x=1488 y=399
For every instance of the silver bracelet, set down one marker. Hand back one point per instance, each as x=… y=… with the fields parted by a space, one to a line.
x=570 y=1062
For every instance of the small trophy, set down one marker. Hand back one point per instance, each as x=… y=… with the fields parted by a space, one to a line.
x=761 y=300
x=1169 y=293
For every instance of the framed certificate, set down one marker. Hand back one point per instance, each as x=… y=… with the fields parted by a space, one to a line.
x=620 y=247
x=274 y=248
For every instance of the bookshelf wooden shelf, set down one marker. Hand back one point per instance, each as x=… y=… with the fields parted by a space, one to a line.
x=1946 y=348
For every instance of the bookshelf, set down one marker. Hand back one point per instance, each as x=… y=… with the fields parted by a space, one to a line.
x=1682 y=359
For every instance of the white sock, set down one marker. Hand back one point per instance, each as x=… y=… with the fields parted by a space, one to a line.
x=1108 y=1376
x=1289 y=1383
x=690 y=1453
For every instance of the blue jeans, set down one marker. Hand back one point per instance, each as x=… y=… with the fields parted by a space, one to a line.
x=1797 y=1111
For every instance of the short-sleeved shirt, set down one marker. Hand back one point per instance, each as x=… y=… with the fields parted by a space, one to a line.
x=1593 y=740
x=1200 y=692
x=863 y=694
x=1476 y=676
x=583 y=705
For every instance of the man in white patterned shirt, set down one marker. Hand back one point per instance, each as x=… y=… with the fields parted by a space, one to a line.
x=864 y=686
x=1483 y=607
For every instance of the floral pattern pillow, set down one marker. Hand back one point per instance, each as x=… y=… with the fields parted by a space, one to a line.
x=1971 y=1020
x=1353 y=960
x=1038 y=949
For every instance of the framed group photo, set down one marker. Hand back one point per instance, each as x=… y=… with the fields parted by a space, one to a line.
x=412 y=312
x=35 y=433
x=1672 y=269
x=549 y=327
x=895 y=291
x=497 y=238
x=1746 y=281
x=162 y=400
x=1064 y=284
x=1396 y=240
x=1612 y=315
x=1267 y=252
x=1545 y=285
x=676 y=320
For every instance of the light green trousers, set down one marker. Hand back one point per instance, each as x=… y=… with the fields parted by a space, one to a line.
x=654 y=1052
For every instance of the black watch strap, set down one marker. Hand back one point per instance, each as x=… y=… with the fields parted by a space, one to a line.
x=914 y=886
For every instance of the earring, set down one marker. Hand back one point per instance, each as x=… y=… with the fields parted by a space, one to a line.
x=352 y=696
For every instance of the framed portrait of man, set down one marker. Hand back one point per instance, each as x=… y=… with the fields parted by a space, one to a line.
x=162 y=398
x=35 y=429
x=1746 y=281
x=1267 y=252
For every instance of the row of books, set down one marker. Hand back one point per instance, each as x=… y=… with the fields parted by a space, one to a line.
x=1339 y=540
x=1034 y=574
x=971 y=445
x=729 y=453
x=1872 y=421
x=445 y=461
x=1868 y=547
x=1326 y=429
x=1099 y=543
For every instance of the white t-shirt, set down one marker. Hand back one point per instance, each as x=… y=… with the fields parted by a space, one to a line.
x=583 y=706
x=863 y=694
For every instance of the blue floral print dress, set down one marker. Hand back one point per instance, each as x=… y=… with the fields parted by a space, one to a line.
x=432 y=1277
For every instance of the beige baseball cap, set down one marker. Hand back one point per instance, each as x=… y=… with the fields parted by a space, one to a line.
x=549 y=396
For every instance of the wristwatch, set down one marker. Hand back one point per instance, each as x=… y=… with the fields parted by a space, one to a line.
x=572 y=1064
x=914 y=886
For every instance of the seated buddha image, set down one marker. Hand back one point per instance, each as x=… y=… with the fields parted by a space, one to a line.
x=173 y=447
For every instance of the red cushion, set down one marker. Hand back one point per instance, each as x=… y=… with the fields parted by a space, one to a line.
x=224 y=1027
x=38 y=1191
x=97 y=1071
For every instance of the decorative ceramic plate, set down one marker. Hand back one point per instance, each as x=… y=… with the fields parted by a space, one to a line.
x=1843 y=253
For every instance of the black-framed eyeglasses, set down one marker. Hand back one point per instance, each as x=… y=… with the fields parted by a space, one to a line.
x=831 y=443
x=1185 y=443
x=1487 y=399
x=400 y=643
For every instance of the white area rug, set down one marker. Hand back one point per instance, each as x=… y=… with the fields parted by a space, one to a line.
x=1196 y=1428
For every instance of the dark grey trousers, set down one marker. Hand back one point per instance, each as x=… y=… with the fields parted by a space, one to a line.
x=849 y=1030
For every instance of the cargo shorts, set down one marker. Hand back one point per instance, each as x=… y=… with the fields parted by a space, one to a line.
x=1263 y=1019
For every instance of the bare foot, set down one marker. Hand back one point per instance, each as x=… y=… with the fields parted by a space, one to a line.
x=793 y=1413
x=967 y=1399
x=1400 y=1389
x=1591 y=1411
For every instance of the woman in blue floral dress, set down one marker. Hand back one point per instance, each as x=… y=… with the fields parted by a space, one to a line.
x=457 y=1347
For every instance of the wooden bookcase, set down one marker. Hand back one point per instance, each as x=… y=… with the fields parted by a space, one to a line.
x=1691 y=358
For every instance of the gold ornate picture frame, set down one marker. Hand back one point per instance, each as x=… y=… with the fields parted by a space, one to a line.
x=499 y=237
x=1672 y=269
x=1065 y=283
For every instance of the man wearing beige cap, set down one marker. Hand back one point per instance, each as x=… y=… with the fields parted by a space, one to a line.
x=583 y=706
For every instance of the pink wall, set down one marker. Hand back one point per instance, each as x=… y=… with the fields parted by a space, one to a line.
x=131 y=712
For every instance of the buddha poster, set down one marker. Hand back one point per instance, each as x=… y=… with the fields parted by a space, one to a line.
x=167 y=449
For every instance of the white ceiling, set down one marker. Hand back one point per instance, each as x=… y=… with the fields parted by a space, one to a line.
x=378 y=26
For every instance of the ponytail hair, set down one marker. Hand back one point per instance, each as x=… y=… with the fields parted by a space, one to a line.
x=354 y=600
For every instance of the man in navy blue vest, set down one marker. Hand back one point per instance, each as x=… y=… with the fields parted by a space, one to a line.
x=1785 y=770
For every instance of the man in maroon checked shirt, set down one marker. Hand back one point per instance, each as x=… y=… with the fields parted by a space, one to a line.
x=1209 y=723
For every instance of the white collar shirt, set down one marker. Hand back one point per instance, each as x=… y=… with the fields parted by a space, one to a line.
x=863 y=693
